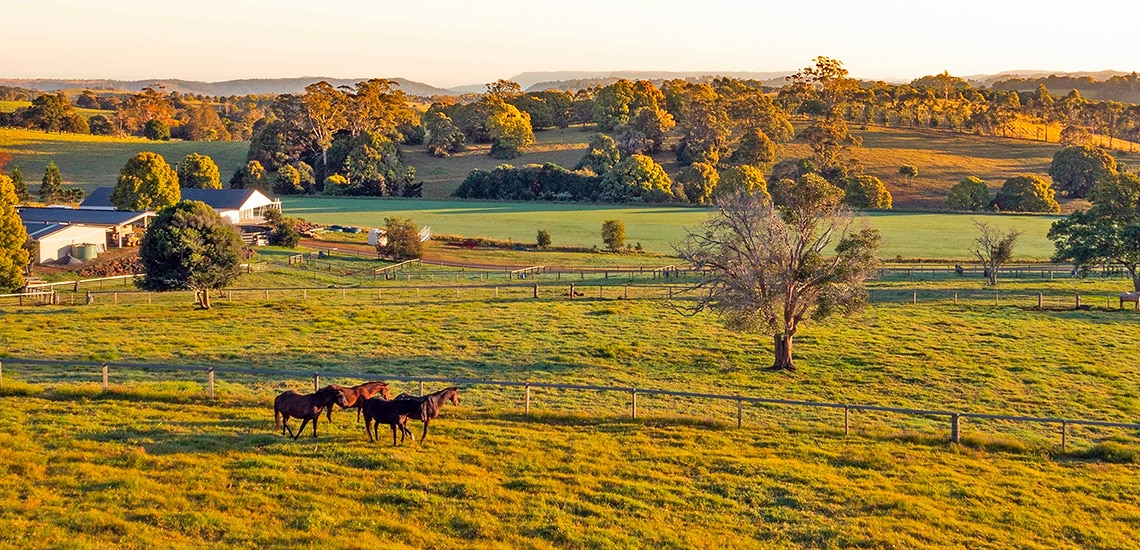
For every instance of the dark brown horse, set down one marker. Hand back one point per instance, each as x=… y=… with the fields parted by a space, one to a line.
x=356 y=395
x=392 y=413
x=306 y=407
x=429 y=406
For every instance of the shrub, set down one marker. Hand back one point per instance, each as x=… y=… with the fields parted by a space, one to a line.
x=699 y=180
x=403 y=239
x=1026 y=194
x=156 y=130
x=543 y=238
x=613 y=235
x=867 y=192
x=970 y=194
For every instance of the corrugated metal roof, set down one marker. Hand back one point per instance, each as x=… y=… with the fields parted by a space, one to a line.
x=218 y=199
x=80 y=216
x=40 y=229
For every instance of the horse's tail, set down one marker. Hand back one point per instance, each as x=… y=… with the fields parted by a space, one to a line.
x=276 y=417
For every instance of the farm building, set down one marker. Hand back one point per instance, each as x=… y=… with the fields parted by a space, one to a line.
x=58 y=241
x=58 y=230
x=238 y=206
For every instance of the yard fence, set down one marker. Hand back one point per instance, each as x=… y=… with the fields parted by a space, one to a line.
x=953 y=418
x=473 y=288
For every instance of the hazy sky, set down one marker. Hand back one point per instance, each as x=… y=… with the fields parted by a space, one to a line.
x=447 y=43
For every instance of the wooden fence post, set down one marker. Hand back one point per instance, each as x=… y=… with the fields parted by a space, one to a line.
x=633 y=408
x=421 y=388
x=211 y=382
x=914 y=298
x=104 y=376
x=571 y=291
x=955 y=298
x=526 y=405
x=599 y=291
x=955 y=428
x=739 y=413
x=267 y=294
x=1039 y=300
x=1078 y=300
x=316 y=381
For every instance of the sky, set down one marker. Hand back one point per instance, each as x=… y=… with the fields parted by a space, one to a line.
x=450 y=43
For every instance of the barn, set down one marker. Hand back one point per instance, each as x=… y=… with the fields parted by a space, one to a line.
x=238 y=206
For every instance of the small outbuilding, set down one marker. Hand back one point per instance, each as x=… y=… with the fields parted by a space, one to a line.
x=57 y=241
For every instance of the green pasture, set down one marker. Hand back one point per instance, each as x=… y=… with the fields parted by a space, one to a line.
x=95 y=161
x=906 y=234
x=155 y=463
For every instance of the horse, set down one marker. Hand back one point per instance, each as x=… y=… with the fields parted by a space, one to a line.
x=429 y=406
x=1133 y=297
x=393 y=413
x=306 y=407
x=357 y=395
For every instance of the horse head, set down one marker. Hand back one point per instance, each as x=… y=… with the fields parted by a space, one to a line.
x=329 y=395
x=453 y=396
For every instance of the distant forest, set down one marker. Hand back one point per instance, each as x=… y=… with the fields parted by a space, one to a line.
x=350 y=139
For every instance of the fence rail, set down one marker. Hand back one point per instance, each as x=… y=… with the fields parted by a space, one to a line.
x=955 y=417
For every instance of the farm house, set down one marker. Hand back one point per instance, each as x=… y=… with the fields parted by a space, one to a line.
x=238 y=206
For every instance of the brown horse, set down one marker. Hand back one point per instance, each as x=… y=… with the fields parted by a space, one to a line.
x=306 y=407
x=392 y=413
x=429 y=406
x=356 y=395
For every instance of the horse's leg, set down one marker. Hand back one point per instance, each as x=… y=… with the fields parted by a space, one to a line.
x=285 y=426
x=358 y=409
x=393 y=426
x=315 y=419
x=368 y=428
x=301 y=430
x=423 y=437
x=328 y=413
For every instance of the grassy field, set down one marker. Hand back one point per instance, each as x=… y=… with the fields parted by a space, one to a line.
x=441 y=177
x=153 y=463
x=95 y=161
x=943 y=159
x=910 y=235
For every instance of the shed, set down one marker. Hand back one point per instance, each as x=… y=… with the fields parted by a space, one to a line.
x=56 y=240
x=115 y=224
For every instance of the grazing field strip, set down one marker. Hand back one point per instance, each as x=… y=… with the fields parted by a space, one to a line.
x=684 y=400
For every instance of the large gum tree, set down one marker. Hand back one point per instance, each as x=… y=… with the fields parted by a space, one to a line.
x=768 y=269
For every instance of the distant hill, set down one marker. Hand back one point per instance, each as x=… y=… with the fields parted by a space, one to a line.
x=989 y=79
x=257 y=86
x=569 y=80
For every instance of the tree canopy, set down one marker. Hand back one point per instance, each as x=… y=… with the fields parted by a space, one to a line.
x=198 y=172
x=1108 y=232
x=1076 y=168
x=768 y=269
x=1026 y=194
x=190 y=247
x=146 y=182
x=969 y=194
x=13 y=256
x=637 y=177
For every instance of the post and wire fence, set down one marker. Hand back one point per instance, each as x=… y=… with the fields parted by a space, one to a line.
x=583 y=398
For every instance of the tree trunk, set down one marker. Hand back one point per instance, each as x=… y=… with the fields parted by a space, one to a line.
x=204 y=298
x=1135 y=273
x=783 y=360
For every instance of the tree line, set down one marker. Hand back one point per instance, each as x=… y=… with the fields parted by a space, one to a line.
x=151 y=113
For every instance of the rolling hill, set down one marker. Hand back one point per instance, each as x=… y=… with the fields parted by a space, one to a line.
x=256 y=86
